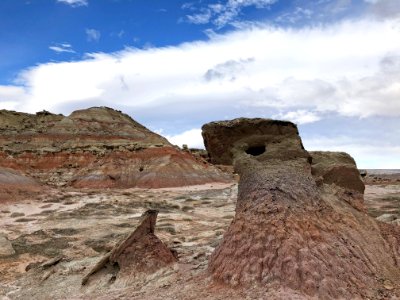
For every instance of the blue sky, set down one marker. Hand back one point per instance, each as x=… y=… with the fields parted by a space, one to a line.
x=331 y=66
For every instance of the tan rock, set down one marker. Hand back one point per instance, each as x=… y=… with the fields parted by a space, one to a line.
x=6 y=248
x=142 y=252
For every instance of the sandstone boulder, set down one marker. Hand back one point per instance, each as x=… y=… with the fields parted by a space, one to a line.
x=338 y=168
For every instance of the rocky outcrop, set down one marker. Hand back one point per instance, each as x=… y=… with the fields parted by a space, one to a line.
x=338 y=168
x=290 y=231
x=141 y=253
x=96 y=147
x=223 y=139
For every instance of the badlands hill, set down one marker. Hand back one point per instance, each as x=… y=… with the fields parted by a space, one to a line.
x=98 y=148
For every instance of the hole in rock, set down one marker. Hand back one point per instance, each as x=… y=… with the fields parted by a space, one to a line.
x=256 y=150
x=141 y=169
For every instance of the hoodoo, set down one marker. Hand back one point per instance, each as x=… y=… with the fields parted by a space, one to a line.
x=300 y=221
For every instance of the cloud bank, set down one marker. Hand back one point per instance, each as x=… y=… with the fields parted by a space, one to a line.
x=334 y=68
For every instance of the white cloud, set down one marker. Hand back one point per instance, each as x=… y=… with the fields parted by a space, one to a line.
x=92 y=35
x=300 y=116
x=192 y=138
x=222 y=14
x=75 y=3
x=201 y=18
x=59 y=48
x=227 y=70
x=11 y=97
x=295 y=16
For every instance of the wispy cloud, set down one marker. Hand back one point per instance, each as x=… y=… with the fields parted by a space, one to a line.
x=200 y=18
x=293 y=17
x=300 y=116
x=221 y=14
x=59 y=48
x=75 y=3
x=92 y=35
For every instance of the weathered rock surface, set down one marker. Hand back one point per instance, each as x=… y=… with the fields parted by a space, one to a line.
x=96 y=147
x=6 y=248
x=338 y=168
x=290 y=232
x=141 y=252
x=15 y=186
x=224 y=139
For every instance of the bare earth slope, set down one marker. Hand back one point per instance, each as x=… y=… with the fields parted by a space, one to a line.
x=15 y=186
x=97 y=147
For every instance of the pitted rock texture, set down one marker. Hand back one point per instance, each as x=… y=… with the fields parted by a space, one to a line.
x=279 y=139
x=141 y=252
x=340 y=169
x=96 y=147
x=288 y=231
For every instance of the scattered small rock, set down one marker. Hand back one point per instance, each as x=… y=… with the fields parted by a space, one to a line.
x=51 y=262
x=16 y=215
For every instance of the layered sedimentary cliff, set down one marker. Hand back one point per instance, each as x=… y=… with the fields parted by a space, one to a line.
x=96 y=147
